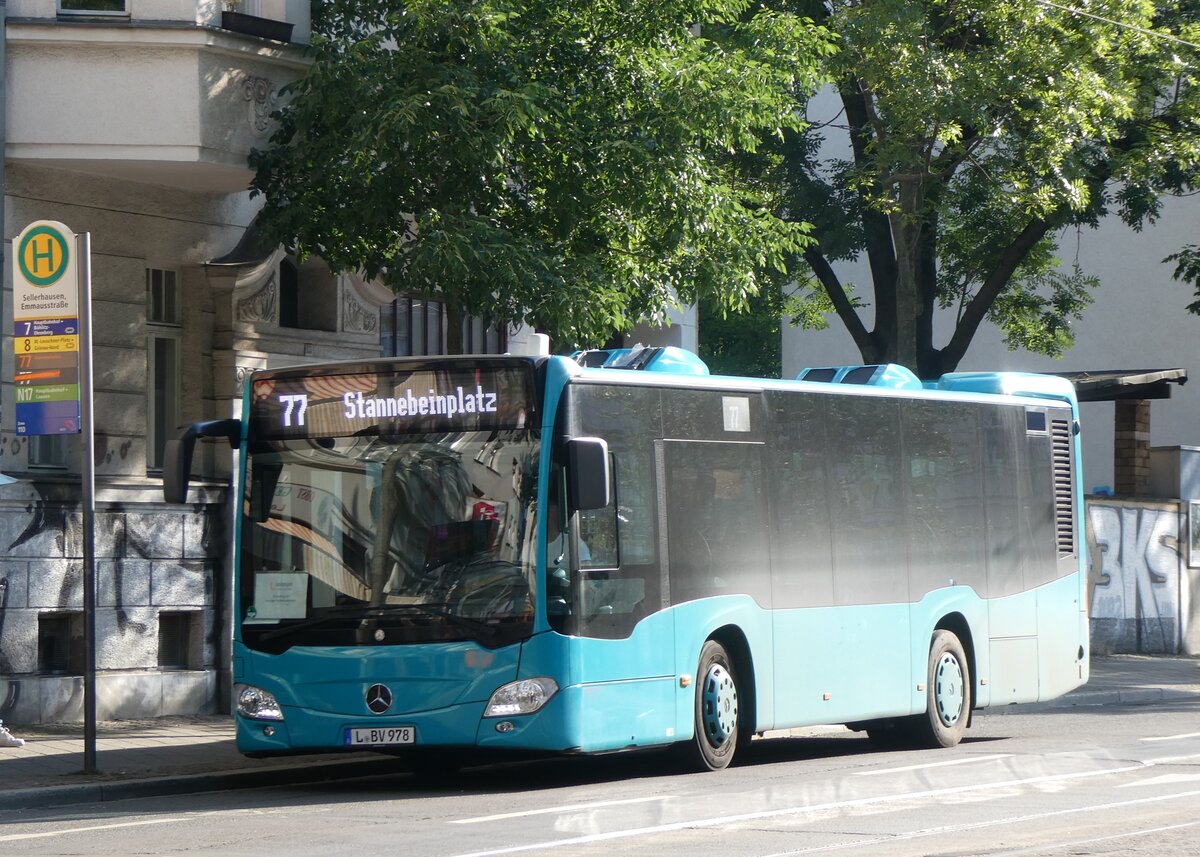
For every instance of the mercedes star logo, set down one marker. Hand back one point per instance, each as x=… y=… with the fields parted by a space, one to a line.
x=379 y=698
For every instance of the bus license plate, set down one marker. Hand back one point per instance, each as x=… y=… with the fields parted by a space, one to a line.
x=381 y=736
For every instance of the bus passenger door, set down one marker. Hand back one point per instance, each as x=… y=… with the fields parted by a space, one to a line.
x=624 y=646
x=719 y=564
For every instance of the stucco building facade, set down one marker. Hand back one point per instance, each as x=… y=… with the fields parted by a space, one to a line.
x=133 y=122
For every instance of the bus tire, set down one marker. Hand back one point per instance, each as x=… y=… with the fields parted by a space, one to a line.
x=948 y=694
x=717 y=712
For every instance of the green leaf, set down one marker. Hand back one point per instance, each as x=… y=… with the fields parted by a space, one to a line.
x=578 y=165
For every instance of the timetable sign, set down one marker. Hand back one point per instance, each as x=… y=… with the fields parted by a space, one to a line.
x=46 y=330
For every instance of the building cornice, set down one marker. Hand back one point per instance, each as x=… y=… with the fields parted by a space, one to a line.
x=155 y=34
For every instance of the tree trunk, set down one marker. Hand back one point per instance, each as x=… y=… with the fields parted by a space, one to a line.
x=907 y=226
x=454 y=326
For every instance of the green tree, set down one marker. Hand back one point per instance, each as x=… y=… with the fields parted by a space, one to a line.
x=975 y=133
x=748 y=342
x=1187 y=269
x=570 y=164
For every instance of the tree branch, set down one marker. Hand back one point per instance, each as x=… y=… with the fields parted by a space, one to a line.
x=837 y=294
x=977 y=309
x=877 y=231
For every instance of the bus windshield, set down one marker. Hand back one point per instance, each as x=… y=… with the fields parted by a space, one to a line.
x=389 y=538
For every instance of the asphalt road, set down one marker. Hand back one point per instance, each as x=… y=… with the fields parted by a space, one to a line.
x=1112 y=780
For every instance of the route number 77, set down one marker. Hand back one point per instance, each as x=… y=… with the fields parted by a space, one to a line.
x=294 y=406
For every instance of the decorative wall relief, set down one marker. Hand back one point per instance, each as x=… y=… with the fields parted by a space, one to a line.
x=263 y=96
x=243 y=373
x=260 y=306
x=357 y=318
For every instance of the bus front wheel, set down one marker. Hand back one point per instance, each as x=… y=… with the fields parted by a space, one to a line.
x=717 y=712
x=948 y=693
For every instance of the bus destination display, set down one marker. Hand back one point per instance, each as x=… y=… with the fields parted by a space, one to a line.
x=391 y=401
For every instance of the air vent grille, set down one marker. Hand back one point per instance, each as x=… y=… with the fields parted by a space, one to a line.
x=1064 y=487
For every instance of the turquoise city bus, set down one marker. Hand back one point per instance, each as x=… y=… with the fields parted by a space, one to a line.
x=618 y=550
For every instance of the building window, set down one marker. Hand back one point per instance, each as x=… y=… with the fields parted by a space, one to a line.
x=307 y=296
x=289 y=295
x=163 y=423
x=162 y=296
x=176 y=632
x=93 y=7
x=482 y=338
x=412 y=327
x=163 y=313
x=48 y=450
x=60 y=644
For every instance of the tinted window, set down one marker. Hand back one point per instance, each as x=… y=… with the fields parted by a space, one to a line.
x=712 y=415
x=621 y=581
x=867 y=501
x=803 y=554
x=945 y=504
x=716 y=521
x=1003 y=433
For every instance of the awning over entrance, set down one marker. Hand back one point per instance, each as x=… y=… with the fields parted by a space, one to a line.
x=1131 y=390
x=1112 y=385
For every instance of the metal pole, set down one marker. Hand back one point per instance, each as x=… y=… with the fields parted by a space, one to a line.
x=83 y=247
x=3 y=112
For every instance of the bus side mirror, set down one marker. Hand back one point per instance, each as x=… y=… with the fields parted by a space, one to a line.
x=589 y=475
x=177 y=454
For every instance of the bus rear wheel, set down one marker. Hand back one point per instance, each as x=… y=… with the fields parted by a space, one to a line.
x=717 y=714
x=948 y=694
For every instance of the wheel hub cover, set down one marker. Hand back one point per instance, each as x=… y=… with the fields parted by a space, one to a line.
x=719 y=700
x=949 y=691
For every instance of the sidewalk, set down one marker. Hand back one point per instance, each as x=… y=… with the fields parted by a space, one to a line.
x=163 y=756
x=184 y=755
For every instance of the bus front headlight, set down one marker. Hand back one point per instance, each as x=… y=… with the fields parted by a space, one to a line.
x=256 y=703
x=521 y=697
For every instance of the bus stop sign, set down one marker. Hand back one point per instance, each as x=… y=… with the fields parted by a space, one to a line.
x=46 y=330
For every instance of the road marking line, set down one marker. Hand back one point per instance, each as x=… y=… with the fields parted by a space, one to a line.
x=1037 y=849
x=1173 y=737
x=576 y=807
x=1165 y=759
x=16 y=837
x=966 y=761
x=794 y=810
x=1165 y=779
x=979 y=825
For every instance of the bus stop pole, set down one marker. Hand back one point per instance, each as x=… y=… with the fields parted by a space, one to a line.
x=83 y=249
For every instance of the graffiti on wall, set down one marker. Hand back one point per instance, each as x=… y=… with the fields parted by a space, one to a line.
x=144 y=564
x=1135 y=557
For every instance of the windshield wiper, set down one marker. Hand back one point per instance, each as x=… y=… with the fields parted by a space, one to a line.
x=329 y=615
x=379 y=611
x=439 y=610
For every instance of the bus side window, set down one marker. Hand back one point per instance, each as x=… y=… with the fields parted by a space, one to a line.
x=717 y=521
x=618 y=586
x=621 y=582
